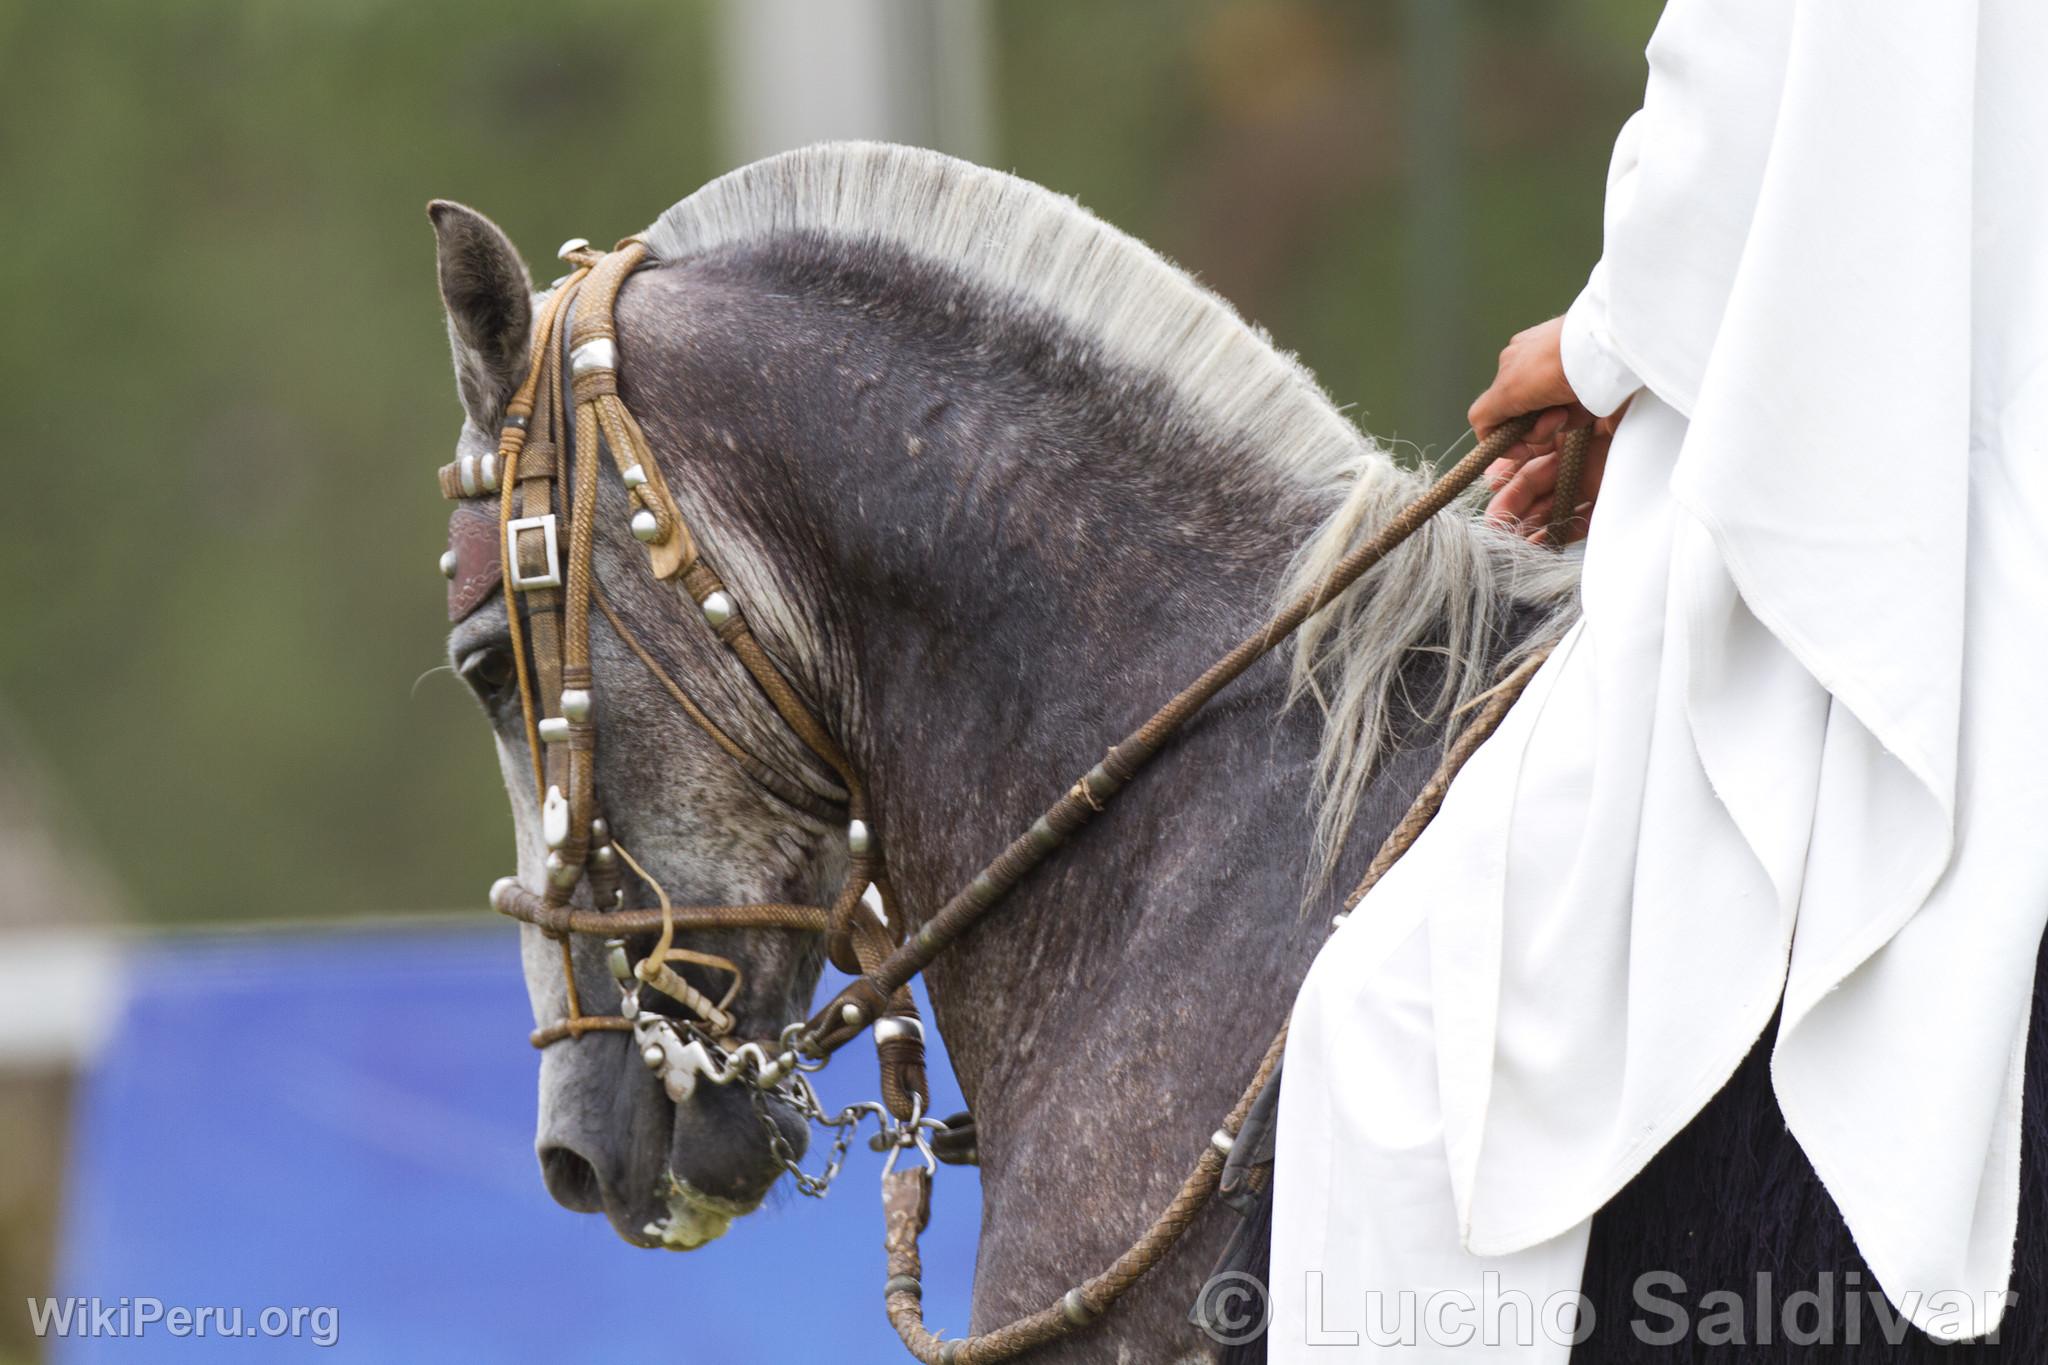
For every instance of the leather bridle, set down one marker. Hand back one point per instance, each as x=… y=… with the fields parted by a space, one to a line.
x=550 y=590
x=547 y=507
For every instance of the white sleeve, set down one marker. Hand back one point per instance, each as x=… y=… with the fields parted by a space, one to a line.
x=1600 y=378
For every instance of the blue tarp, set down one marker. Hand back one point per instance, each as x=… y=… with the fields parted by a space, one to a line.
x=346 y=1119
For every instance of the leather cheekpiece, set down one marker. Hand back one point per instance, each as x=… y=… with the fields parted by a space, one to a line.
x=479 y=561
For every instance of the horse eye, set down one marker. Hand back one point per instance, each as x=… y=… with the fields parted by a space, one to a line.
x=490 y=674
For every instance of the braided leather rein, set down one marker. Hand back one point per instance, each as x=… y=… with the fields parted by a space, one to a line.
x=549 y=594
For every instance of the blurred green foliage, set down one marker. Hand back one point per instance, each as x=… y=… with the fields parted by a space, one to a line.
x=227 y=384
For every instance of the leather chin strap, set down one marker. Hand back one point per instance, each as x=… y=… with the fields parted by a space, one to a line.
x=547 y=506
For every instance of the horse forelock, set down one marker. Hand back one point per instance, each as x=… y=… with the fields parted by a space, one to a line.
x=1460 y=589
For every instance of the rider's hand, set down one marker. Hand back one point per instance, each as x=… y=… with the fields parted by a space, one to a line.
x=1531 y=378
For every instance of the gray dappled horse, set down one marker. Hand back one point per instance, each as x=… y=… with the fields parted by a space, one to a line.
x=992 y=480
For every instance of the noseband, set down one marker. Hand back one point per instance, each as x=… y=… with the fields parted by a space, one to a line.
x=548 y=602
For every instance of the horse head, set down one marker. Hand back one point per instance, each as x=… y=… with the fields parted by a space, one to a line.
x=703 y=826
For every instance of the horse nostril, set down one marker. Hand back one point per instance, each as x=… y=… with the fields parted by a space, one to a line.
x=571 y=1180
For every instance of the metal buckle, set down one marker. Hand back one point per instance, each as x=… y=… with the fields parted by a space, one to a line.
x=551 y=577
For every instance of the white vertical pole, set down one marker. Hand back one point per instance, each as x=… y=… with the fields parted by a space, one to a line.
x=794 y=72
x=963 y=80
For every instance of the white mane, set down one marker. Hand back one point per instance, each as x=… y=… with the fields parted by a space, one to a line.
x=1448 y=588
x=1027 y=241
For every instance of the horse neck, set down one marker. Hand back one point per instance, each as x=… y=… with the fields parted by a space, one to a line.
x=1016 y=555
x=1050 y=619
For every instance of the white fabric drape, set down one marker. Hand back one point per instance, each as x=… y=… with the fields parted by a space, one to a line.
x=1793 y=752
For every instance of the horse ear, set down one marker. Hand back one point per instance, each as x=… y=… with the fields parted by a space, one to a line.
x=489 y=298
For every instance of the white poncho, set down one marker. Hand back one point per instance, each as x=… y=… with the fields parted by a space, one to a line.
x=1795 y=752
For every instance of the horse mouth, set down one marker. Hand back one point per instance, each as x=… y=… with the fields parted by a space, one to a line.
x=694 y=1218
x=664 y=1176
